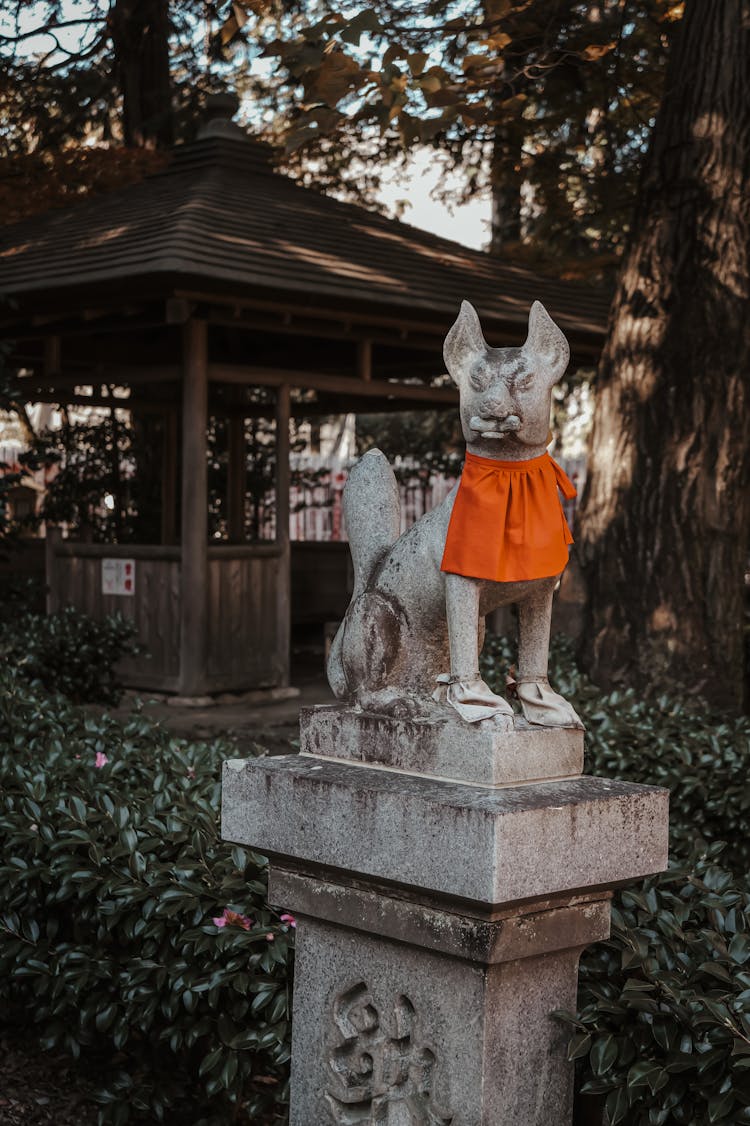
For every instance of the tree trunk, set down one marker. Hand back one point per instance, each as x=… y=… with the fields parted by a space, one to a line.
x=506 y=178
x=140 y=38
x=666 y=513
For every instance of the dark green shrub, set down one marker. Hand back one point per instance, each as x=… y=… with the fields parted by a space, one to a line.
x=111 y=874
x=700 y=756
x=663 y=1026
x=68 y=652
x=663 y=1031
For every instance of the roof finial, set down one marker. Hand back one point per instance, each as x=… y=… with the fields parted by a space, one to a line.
x=217 y=117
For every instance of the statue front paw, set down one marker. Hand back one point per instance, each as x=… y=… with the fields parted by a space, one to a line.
x=544 y=707
x=474 y=701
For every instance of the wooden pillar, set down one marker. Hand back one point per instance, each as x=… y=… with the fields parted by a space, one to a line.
x=52 y=537
x=52 y=353
x=364 y=360
x=282 y=464
x=169 y=479
x=194 y=523
x=52 y=534
x=237 y=479
x=283 y=603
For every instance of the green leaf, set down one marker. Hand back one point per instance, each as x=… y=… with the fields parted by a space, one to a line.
x=603 y=1054
x=211 y=1061
x=617 y=1106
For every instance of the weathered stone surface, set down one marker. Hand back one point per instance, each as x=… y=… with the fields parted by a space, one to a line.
x=487 y=937
x=445 y=747
x=500 y=845
x=191 y=701
x=259 y=696
x=386 y=1033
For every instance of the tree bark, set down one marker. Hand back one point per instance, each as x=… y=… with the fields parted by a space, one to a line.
x=666 y=513
x=506 y=179
x=140 y=38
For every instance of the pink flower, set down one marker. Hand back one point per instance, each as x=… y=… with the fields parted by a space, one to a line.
x=289 y=920
x=232 y=919
x=191 y=772
x=101 y=759
x=270 y=937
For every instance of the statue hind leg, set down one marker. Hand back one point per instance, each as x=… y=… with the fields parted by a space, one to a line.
x=366 y=646
x=380 y=662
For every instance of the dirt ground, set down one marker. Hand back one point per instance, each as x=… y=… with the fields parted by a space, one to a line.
x=273 y=725
x=40 y=1088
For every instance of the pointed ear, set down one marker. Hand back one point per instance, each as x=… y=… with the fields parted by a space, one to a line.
x=464 y=343
x=547 y=343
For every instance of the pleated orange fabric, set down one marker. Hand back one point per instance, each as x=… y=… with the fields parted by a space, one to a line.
x=507 y=522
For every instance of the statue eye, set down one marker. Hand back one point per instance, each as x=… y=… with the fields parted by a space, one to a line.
x=526 y=382
x=478 y=377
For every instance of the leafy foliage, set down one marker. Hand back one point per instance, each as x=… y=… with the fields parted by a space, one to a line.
x=700 y=755
x=112 y=873
x=550 y=105
x=31 y=182
x=104 y=474
x=663 y=1028
x=663 y=1025
x=66 y=652
x=11 y=404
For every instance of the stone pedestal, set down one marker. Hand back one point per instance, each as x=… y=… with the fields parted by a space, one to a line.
x=441 y=914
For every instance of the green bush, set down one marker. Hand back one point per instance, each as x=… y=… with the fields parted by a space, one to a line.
x=68 y=652
x=699 y=755
x=112 y=873
x=663 y=1028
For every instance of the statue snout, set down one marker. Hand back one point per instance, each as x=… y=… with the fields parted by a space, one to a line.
x=495 y=425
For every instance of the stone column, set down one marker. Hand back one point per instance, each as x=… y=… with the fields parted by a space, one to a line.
x=445 y=880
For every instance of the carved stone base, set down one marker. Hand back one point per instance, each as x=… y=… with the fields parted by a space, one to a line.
x=439 y=925
x=386 y=1032
x=445 y=748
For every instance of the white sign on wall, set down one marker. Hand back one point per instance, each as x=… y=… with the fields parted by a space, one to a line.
x=118 y=576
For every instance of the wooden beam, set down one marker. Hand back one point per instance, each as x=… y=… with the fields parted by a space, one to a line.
x=194 y=518
x=283 y=572
x=76 y=548
x=253 y=376
x=74 y=322
x=300 y=325
x=119 y=375
x=148 y=406
x=236 y=479
x=364 y=360
x=283 y=476
x=52 y=350
x=170 y=463
x=52 y=543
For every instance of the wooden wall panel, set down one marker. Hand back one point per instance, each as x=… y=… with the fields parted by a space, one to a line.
x=154 y=608
x=248 y=612
x=247 y=644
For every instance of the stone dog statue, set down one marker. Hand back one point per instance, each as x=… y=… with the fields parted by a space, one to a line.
x=500 y=537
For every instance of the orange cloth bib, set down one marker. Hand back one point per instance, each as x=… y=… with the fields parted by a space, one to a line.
x=507 y=522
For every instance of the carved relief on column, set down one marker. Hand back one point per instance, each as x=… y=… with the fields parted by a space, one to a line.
x=378 y=1079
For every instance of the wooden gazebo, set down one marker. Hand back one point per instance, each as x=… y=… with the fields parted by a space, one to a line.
x=196 y=287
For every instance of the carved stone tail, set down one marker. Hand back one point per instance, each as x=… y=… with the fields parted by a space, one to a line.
x=372 y=514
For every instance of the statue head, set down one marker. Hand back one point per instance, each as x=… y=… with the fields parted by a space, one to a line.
x=505 y=392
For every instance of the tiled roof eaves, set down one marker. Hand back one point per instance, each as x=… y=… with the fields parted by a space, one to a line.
x=260 y=232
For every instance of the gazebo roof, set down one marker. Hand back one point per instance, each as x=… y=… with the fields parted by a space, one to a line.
x=220 y=219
